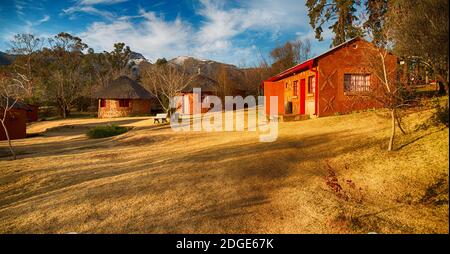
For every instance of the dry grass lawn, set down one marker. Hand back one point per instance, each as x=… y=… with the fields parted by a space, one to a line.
x=154 y=180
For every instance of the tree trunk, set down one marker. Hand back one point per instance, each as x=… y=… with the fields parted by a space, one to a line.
x=399 y=124
x=9 y=140
x=391 y=140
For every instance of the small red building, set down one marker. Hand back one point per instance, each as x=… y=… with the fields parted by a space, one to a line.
x=338 y=81
x=16 y=122
x=207 y=85
x=32 y=113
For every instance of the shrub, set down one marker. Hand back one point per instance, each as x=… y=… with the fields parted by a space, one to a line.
x=346 y=192
x=106 y=131
x=350 y=199
x=441 y=114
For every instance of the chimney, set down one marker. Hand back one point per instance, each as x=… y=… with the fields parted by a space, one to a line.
x=199 y=71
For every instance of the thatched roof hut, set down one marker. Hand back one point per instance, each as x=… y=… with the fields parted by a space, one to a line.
x=123 y=97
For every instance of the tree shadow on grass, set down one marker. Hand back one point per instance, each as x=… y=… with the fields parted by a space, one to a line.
x=210 y=190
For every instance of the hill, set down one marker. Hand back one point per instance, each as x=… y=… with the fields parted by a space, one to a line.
x=154 y=180
x=211 y=69
x=6 y=59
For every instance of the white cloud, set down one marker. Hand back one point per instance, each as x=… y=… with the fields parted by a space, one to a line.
x=216 y=35
x=93 y=2
x=90 y=10
x=152 y=36
x=86 y=6
x=224 y=34
x=43 y=19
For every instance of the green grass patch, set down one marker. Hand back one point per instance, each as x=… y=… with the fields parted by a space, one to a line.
x=106 y=131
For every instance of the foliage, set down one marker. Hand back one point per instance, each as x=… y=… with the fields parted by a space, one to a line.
x=322 y=12
x=161 y=61
x=376 y=18
x=106 y=131
x=419 y=31
x=61 y=73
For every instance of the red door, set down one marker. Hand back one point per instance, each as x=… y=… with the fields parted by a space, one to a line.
x=302 y=96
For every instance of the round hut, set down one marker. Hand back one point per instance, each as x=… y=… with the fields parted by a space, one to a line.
x=123 y=97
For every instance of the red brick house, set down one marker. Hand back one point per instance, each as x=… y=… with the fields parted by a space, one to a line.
x=338 y=81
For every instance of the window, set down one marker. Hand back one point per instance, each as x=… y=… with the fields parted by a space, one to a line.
x=295 y=90
x=311 y=84
x=102 y=103
x=124 y=103
x=354 y=83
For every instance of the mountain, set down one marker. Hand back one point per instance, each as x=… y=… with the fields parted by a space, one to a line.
x=208 y=68
x=6 y=59
x=136 y=58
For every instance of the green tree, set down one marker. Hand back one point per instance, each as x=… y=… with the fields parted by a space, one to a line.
x=119 y=58
x=376 y=11
x=341 y=12
x=161 y=61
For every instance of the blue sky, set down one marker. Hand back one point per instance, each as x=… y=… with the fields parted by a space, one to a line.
x=235 y=32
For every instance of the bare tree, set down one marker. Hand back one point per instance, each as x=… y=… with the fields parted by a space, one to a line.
x=389 y=90
x=11 y=91
x=25 y=46
x=225 y=84
x=165 y=81
x=290 y=54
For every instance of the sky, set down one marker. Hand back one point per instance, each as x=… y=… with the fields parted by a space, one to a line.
x=234 y=32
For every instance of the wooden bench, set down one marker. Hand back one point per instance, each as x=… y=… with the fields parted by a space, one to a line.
x=160 y=118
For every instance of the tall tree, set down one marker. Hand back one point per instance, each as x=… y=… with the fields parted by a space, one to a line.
x=119 y=59
x=66 y=79
x=341 y=12
x=376 y=11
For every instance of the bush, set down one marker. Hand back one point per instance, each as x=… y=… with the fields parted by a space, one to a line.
x=106 y=131
x=441 y=114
